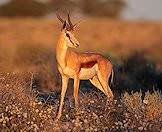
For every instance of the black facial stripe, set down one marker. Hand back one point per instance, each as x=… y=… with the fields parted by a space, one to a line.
x=67 y=35
x=72 y=42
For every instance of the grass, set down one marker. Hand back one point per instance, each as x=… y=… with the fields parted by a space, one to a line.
x=20 y=109
x=30 y=83
x=120 y=38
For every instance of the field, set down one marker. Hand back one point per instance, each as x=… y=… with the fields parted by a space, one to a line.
x=30 y=83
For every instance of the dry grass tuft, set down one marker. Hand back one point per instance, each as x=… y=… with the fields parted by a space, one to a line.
x=19 y=109
x=153 y=105
x=143 y=115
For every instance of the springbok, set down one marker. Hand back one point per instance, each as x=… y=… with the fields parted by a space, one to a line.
x=80 y=66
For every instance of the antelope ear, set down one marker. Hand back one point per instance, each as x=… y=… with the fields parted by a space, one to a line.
x=64 y=25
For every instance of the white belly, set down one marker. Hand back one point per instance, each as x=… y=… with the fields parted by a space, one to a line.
x=84 y=74
x=87 y=73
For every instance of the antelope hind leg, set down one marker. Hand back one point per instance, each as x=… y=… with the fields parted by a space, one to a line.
x=96 y=83
x=104 y=83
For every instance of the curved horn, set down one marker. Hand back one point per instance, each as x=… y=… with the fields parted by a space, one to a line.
x=69 y=21
x=76 y=24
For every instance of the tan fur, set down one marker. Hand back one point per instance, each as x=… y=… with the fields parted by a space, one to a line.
x=85 y=66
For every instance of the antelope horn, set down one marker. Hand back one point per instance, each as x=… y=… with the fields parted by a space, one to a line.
x=58 y=16
x=76 y=24
x=69 y=21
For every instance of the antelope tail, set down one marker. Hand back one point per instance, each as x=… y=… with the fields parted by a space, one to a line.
x=112 y=77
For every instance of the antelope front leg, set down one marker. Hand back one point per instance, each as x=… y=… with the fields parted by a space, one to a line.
x=76 y=88
x=63 y=91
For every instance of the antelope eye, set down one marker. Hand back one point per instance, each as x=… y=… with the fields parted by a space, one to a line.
x=67 y=35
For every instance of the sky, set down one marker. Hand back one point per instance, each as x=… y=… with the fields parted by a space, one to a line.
x=145 y=9
x=3 y=1
x=138 y=9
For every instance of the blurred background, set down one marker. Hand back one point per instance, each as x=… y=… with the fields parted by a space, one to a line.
x=47 y=8
x=125 y=9
x=129 y=33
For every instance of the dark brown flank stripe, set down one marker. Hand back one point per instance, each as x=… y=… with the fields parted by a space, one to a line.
x=88 y=64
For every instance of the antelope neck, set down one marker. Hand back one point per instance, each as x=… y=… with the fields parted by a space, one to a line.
x=61 y=50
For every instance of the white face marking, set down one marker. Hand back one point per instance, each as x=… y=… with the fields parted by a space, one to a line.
x=71 y=40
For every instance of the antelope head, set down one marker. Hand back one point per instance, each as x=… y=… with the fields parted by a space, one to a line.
x=67 y=31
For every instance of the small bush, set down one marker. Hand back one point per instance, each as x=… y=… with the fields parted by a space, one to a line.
x=24 y=8
x=137 y=73
x=110 y=8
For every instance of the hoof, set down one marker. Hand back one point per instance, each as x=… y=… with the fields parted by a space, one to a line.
x=57 y=121
x=110 y=101
x=57 y=125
